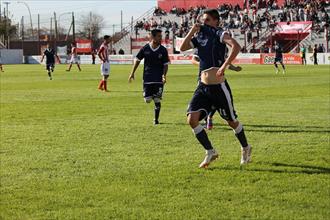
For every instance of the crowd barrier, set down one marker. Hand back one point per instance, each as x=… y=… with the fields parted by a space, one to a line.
x=242 y=58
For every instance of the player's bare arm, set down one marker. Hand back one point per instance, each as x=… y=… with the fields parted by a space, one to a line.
x=100 y=55
x=236 y=48
x=194 y=61
x=58 y=59
x=186 y=45
x=165 y=73
x=136 y=65
x=42 y=58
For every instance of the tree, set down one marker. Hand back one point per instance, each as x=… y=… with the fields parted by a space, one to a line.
x=7 y=24
x=90 y=26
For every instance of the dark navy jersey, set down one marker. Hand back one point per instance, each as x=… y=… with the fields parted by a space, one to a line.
x=278 y=51
x=210 y=47
x=50 y=55
x=154 y=62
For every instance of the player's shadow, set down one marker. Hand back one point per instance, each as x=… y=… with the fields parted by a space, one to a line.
x=265 y=128
x=279 y=168
x=286 y=128
x=277 y=128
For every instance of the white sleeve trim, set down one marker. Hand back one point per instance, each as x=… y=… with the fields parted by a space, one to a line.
x=137 y=59
x=222 y=35
x=166 y=63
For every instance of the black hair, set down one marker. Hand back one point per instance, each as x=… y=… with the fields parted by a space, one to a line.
x=106 y=37
x=154 y=32
x=213 y=13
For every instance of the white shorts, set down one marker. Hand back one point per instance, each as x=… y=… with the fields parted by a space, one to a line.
x=105 y=69
x=74 y=60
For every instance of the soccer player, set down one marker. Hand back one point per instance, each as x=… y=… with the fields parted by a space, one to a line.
x=74 y=57
x=303 y=55
x=213 y=91
x=50 y=55
x=278 y=57
x=105 y=66
x=156 y=62
x=315 y=50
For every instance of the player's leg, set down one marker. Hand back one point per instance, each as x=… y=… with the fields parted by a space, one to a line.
x=209 y=123
x=48 y=68
x=281 y=62
x=157 y=97
x=78 y=65
x=158 y=106
x=105 y=83
x=197 y=111
x=201 y=135
x=225 y=100
x=1 y=68
x=69 y=67
x=276 y=67
x=106 y=73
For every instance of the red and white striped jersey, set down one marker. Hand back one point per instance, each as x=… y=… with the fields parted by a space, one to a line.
x=103 y=51
x=73 y=51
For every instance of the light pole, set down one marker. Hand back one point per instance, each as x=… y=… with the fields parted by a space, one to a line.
x=59 y=18
x=7 y=23
x=27 y=6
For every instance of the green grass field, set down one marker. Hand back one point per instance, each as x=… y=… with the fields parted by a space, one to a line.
x=69 y=151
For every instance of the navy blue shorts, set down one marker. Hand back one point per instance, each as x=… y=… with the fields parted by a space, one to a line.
x=50 y=66
x=278 y=59
x=213 y=97
x=151 y=91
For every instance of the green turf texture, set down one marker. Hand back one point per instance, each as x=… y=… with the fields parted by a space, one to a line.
x=69 y=151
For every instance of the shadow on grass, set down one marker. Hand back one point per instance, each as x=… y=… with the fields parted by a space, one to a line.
x=266 y=128
x=279 y=168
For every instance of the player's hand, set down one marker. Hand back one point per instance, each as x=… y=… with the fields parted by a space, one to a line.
x=164 y=79
x=221 y=71
x=130 y=78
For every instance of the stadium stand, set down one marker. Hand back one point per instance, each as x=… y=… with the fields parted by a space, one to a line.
x=254 y=24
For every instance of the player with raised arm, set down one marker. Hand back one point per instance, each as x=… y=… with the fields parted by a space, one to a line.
x=74 y=57
x=103 y=54
x=156 y=62
x=50 y=55
x=213 y=91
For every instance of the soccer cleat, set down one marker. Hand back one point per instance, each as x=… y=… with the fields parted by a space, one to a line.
x=211 y=155
x=246 y=155
x=209 y=124
x=50 y=78
x=276 y=71
x=283 y=72
x=156 y=122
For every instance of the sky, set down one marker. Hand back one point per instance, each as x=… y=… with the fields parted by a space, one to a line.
x=109 y=9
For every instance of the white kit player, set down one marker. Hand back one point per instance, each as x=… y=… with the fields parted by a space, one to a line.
x=74 y=57
x=105 y=64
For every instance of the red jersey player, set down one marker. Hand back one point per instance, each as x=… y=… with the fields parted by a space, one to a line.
x=105 y=64
x=74 y=57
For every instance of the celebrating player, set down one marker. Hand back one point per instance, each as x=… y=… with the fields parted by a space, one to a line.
x=278 y=57
x=156 y=62
x=105 y=66
x=213 y=91
x=74 y=57
x=50 y=55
